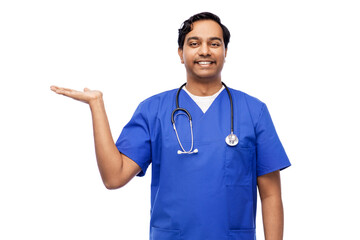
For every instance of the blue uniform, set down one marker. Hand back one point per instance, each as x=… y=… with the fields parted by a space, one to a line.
x=210 y=195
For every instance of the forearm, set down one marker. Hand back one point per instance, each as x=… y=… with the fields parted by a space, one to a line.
x=273 y=217
x=108 y=157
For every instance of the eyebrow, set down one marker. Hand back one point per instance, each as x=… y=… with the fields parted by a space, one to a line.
x=197 y=38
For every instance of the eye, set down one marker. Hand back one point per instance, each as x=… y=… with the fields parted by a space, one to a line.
x=193 y=44
x=215 y=44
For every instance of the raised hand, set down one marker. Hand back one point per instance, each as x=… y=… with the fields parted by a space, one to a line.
x=87 y=96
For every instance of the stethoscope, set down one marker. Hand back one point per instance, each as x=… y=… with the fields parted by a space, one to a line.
x=231 y=139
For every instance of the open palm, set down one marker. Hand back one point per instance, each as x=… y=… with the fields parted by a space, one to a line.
x=86 y=96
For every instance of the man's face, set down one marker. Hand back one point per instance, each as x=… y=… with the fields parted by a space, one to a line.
x=204 y=51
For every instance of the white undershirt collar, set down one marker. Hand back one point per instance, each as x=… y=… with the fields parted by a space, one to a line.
x=204 y=102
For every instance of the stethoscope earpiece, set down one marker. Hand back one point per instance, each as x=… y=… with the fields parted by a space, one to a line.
x=231 y=139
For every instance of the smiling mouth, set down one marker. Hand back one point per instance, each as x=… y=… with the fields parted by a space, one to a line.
x=204 y=63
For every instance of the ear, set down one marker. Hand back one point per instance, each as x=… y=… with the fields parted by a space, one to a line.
x=225 y=54
x=180 y=52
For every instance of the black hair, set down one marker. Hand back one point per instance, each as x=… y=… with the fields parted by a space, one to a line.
x=186 y=27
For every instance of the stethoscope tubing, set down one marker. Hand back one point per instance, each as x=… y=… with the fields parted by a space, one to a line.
x=189 y=115
x=231 y=140
x=231 y=107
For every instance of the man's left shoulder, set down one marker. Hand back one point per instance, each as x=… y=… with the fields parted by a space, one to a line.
x=251 y=101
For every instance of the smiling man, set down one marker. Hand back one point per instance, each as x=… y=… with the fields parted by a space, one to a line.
x=203 y=52
x=211 y=147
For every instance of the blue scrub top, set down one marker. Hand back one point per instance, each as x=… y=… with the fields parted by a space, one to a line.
x=211 y=194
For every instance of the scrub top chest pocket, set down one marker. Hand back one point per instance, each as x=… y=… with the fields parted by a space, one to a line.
x=239 y=163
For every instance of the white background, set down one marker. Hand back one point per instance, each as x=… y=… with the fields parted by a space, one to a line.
x=301 y=58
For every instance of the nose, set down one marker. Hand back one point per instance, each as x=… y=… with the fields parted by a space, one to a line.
x=204 y=50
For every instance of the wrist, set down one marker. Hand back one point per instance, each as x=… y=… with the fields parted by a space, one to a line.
x=96 y=102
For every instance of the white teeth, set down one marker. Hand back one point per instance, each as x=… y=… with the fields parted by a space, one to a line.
x=204 y=62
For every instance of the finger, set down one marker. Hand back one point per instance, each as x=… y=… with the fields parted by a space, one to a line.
x=53 y=87
x=69 y=89
x=86 y=89
x=69 y=93
x=66 y=91
x=56 y=88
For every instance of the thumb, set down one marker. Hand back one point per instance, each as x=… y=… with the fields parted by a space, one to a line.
x=86 y=89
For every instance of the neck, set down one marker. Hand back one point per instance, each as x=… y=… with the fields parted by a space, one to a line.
x=203 y=88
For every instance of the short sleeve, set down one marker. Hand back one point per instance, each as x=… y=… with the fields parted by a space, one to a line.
x=134 y=140
x=270 y=153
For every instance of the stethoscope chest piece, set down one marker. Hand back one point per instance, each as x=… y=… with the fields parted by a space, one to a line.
x=232 y=140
